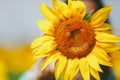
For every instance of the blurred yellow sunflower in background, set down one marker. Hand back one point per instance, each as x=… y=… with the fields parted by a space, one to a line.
x=115 y=58
x=74 y=39
x=3 y=75
x=16 y=61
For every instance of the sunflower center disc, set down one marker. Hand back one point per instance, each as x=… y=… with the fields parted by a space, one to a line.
x=75 y=38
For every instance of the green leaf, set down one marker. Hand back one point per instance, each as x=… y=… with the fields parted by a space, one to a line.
x=87 y=17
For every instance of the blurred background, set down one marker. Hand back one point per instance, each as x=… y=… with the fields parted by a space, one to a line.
x=18 y=29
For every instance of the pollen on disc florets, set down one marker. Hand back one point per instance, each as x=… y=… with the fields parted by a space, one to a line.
x=74 y=37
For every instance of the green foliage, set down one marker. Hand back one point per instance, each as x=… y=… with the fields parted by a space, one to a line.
x=87 y=17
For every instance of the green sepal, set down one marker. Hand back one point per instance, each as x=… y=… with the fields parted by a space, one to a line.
x=87 y=17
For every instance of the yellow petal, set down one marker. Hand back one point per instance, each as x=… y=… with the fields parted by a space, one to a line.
x=37 y=56
x=59 y=66
x=107 y=37
x=50 y=59
x=94 y=73
x=61 y=8
x=41 y=41
x=77 y=8
x=84 y=69
x=105 y=26
x=92 y=60
x=109 y=47
x=48 y=13
x=69 y=69
x=75 y=69
x=104 y=62
x=100 y=16
x=112 y=49
x=46 y=27
x=46 y=48
x=105 y=44
x=100 y=53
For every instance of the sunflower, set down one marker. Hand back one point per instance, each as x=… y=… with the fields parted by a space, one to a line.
x=115 y=57
x=74 y=39
x=15 y=59
x=3 y=75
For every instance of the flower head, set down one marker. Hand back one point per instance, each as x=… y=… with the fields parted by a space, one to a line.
x=76 y=41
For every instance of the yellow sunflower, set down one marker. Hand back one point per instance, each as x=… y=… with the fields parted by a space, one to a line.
x=115 y=57
x=17 y=60
x=75 y=40
x=3 y=75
